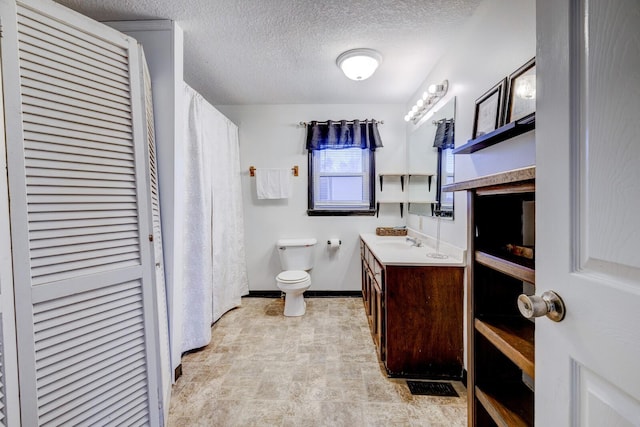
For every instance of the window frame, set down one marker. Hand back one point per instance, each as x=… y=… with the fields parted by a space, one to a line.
x=312 y=211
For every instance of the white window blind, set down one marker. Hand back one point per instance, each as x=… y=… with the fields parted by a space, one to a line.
x=341 y=179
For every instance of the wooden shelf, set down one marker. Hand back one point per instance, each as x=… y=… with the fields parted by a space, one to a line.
x=500 y=405
x=508 y=182
x=514 y=339
x=503 y=133
x=508 y=267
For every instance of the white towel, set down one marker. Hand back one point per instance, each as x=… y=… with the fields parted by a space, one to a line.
x=273 y=183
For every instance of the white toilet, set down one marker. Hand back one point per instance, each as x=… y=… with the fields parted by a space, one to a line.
x=296 y=257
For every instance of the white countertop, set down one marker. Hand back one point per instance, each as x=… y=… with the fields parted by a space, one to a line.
x=396 y=250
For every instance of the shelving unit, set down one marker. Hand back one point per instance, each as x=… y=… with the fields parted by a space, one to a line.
x=503 y=133
x=501 y=347
x=402 y=176
x=381 y=177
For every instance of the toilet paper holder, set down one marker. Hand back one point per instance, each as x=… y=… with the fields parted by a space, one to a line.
x=329 y=242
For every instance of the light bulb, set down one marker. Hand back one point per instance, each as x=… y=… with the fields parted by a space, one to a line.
x=432 y=89
x=420 y=103
x=425 y=95
x=414 y=109
x=407 y=118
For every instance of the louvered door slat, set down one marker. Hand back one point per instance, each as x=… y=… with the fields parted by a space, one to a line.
x=41 y=189
x=57 y=216
x=77 y=192
x=80 y=385
x=104 y=230
x=109 y=148
x=44 y=103
x=53 y=385
x=43 y=109
x=75 y=106
x=36 y=164
x=44 y=89
x=103 y=355
x=33 y=66
x=109 y=394
x=87 y=222
x=130 y=413
x=33 y=55
x=74 y=134
x=71 y=39
x=119 y=245
x=66 y=207
x=73 y=259
x=36 y=74
x=37 y=181
x=80 y=125
x=99 y=323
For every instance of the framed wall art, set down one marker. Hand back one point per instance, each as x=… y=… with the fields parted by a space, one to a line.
x=522 y=92
x=489 y=108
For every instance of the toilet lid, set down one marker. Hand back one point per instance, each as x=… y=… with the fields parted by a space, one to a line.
x=292 y=276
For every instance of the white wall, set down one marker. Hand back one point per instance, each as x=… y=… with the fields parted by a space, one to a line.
x=270 y=137
x=162 y=42
x=498 y=39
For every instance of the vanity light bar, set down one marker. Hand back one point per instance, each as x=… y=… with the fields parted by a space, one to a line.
x=429 y=98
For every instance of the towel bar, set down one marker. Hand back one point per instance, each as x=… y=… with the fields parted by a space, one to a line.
x=252 y=170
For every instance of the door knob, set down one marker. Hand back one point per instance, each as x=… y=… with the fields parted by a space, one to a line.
x=548 y=304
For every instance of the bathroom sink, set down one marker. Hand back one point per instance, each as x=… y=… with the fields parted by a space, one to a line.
x=397 y=244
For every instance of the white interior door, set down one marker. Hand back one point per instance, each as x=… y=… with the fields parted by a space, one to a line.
x=79 y=219
x=588 y=205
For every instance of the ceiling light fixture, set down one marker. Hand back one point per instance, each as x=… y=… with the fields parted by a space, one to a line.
x=359 y=64
x=429 y=99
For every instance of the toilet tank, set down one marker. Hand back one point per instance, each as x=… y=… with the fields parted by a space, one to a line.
x=296 y=254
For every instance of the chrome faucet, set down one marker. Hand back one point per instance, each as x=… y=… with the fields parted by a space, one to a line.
x=414 y=242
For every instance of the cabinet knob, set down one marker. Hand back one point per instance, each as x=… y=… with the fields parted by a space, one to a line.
x=548 y=304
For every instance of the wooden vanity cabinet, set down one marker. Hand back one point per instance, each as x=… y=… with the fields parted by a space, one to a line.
x=415 y=316
x=501 y=350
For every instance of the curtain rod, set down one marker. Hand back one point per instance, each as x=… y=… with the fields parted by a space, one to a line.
x=350 y=122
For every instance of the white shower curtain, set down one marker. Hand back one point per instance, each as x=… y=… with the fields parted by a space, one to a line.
x=215 y=273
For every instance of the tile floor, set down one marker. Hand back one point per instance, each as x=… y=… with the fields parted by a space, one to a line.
x=321 y=369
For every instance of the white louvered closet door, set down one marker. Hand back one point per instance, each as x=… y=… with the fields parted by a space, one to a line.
x=79 y=216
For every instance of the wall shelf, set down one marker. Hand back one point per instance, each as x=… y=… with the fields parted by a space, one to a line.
x=429 y=177
x=503 y=133
x=401 y=203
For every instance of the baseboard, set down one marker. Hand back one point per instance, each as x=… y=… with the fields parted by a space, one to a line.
x=464 y=377
x=177 y=373
x=307 y=294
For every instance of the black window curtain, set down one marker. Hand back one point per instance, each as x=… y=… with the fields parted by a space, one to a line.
x=343 y=134
x=444 y=134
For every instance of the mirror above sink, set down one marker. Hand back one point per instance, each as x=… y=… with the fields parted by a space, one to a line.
x=431 y=167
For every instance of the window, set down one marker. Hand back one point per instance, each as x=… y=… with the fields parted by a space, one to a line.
x=341 y=181
x=342 y=167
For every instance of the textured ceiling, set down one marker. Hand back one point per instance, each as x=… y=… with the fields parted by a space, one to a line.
x=284 y=51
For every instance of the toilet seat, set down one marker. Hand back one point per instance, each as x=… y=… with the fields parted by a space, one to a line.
x=291 y=277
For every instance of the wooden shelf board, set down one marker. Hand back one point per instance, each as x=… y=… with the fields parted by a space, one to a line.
x=514 y=339
x=510 y=130
x=499 y=405
x=525 y=187
x=508 y=267
x=502 y=179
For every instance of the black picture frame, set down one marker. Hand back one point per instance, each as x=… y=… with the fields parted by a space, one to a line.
x=521 y=105
x=489 y=110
